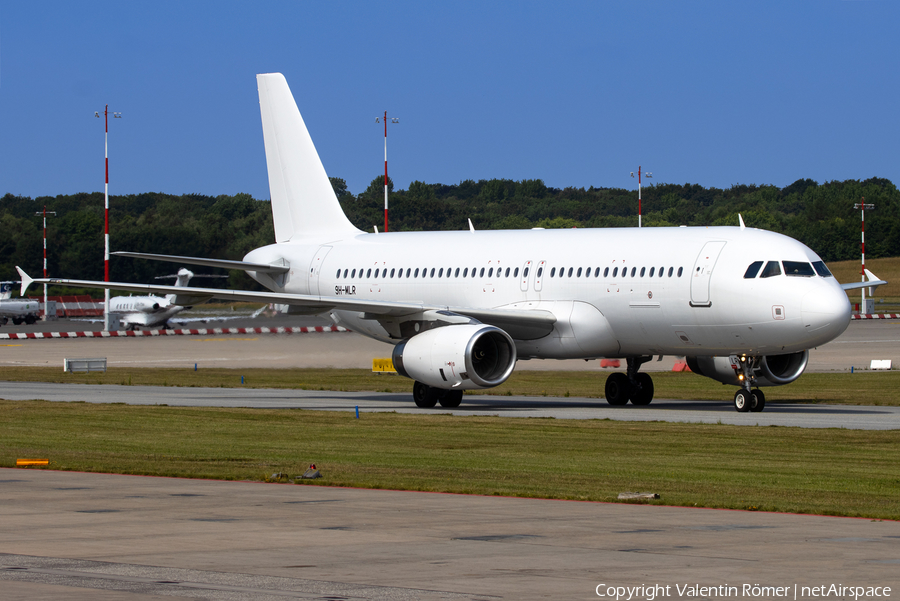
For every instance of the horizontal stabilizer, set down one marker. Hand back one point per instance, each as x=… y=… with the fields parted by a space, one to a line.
x=220 y=263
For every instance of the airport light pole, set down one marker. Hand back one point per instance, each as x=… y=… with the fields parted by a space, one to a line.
x=44 y=213
x=393 y=120
x=106 y=211
x=648 y=175
x=862 y=206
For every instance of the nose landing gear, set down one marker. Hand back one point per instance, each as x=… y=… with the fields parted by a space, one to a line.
x=747 y=399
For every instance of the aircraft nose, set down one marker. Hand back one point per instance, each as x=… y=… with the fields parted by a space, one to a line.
x=826 y=313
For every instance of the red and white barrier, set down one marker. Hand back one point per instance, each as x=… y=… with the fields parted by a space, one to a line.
x=182 y=332
x=876 y=316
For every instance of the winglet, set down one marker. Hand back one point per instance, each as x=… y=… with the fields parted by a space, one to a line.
x=26 y=280
x=873 y=278
x=741 y=220
x=471 y=227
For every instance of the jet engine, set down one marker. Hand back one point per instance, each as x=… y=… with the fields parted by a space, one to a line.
x=457 y=357
x=768 y=370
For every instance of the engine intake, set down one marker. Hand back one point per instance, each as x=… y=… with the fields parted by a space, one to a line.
x=457 y=357
x=770 y=370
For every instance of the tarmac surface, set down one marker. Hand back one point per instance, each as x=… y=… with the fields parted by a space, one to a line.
x=79 y=536
x=97 y=536
x=710 y=412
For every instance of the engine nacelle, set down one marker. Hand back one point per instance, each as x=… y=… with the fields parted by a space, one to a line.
x=770 y=370
x=458 y=357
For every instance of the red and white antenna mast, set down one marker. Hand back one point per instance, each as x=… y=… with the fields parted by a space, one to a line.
x=862 y=206
x=393 y=120
x=106 y=211
x=648 y=175
x=44 y=213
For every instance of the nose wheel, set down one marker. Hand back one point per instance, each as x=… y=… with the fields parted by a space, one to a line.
x=746 y=399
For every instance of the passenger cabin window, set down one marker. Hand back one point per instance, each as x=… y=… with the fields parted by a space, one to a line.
x=652 y=271
x=369 y=273
x=771 y=269
x=392 y=273
x=798 y=269
x=821 y=269
x=579 y=272
x=516 y=272
x=671 y=271
x=643 y=269
x=680 y=271
x=605 y=272
x=525 y=273
x=597 y=273
x=540 y=271
x=752 y=270
x=552 y=272
x=615 y=272
x=507 y=272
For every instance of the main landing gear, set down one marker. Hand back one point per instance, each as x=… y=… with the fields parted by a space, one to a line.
x=630 y=386
x=428 y=396
x=746 y=399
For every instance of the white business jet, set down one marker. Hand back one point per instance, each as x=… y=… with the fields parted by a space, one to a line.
x=149 y=311
x=743 y=305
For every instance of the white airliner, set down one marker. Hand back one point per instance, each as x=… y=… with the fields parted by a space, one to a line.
x=743 y=305
x=149 y=311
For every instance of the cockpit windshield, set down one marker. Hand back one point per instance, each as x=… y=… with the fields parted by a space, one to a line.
x=798 y=269
x=821 y=269
x=752 y=270
x=771 y=269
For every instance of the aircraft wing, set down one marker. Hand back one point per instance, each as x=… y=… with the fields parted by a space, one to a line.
x=533 y=320
x=221 y=263
x=872 y=283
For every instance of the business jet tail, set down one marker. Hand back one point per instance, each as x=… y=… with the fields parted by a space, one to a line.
x=303 y=202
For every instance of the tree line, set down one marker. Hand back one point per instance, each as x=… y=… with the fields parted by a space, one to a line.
x=821 y=216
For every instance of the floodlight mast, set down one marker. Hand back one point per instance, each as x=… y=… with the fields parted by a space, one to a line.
x=862 y=206
x=106 y=211
x=44 y=213
x=393 y=120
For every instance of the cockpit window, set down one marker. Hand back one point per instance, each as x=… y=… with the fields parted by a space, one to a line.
x=820 y=268
x=771 y=269
x=799 y=269
x=752 y=270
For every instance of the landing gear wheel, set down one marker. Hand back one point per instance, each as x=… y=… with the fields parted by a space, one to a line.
x=451 y=398
x=425 y=396
x=642 y=394
x=618 y=389
x=742 y=400
x=758 y=401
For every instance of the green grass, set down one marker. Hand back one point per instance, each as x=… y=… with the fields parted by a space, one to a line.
x=840 y=472
x=867 y=388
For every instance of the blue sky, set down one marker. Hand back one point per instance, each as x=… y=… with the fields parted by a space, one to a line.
x=574 y=93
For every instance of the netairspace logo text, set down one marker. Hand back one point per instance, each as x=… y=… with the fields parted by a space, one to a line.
x=653 y=591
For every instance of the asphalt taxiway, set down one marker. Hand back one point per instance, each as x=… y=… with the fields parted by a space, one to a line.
x=80 y=536
x=775 y=414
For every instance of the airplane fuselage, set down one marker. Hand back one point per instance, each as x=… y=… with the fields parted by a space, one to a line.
x=614 y=292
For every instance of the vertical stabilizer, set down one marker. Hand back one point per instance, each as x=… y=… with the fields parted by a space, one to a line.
x=303 y=202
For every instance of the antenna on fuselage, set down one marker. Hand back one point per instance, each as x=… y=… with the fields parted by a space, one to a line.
x=741 y=220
